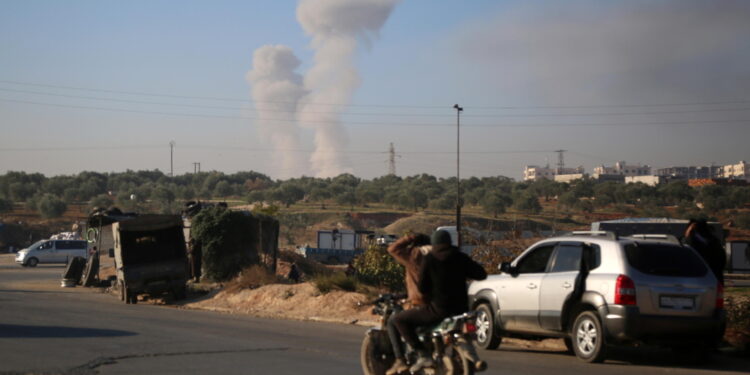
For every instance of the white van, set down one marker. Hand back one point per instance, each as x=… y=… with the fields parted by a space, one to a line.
x=52 y=251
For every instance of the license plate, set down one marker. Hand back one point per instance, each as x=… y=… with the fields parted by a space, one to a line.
x=679 y=303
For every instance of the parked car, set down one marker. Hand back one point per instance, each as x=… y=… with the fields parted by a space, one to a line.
x=595 y=289
x=52 y=251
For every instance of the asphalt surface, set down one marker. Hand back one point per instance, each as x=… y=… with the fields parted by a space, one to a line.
x=45 y=329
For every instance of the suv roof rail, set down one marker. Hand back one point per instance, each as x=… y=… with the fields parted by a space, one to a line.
x=663 y=237
x=606 y=233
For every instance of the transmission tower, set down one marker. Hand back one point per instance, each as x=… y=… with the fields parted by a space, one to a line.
x=392 y=160
x=560 y=160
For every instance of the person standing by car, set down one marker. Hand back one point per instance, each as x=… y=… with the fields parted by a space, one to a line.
x=442 y=282
x=409 y=251
x=195 y=256
x=699 y=236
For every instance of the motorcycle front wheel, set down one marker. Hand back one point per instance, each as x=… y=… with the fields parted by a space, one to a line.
x=372 y=358
x=457 y=364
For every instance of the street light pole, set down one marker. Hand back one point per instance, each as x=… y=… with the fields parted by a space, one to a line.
x=171 y=158
x=458 y=109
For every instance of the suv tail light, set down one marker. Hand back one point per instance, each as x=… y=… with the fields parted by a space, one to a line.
x=719 y=296
x=624 y=291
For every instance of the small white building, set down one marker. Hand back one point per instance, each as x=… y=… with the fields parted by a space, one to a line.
x=648 y=180
x=535 y=172
x=739 y=171
x=569 y=177
x=623 y=169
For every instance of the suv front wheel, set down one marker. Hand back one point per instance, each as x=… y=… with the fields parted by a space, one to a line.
x=588 y=337
x=487 y=337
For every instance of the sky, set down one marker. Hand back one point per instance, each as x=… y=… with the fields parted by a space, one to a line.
x=321 y=87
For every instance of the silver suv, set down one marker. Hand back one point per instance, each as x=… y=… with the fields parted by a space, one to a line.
x=594 y=289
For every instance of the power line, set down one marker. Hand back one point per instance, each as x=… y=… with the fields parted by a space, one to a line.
x=206 y=97
x=252 y=149
x=379 y=123
x=569 y=106
x=590 y=114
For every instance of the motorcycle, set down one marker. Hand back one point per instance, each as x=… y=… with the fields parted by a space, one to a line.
x=451 y=343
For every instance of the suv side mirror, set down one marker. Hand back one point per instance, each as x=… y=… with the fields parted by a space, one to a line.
x=111 y=253
x=506 y=267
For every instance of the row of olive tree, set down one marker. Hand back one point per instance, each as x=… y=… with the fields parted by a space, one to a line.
x=153 y=190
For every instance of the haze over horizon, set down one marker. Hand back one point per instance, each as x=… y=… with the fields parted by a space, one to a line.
x=320 y=88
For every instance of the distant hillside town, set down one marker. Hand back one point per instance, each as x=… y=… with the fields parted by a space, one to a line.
x=622 y=172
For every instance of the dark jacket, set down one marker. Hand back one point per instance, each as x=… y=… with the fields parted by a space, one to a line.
x=443 y=278
x=710 y=249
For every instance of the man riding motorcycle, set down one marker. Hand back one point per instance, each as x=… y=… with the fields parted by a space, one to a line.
x=442 y=283
x=409 y=251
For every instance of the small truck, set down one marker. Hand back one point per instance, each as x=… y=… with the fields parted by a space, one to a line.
x=150 y=256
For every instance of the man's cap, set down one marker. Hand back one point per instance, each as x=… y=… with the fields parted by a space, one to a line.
x=440 y=237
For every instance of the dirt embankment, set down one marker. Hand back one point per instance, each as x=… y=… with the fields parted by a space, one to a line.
x=291 y=301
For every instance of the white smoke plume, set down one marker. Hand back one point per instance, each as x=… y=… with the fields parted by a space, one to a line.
x=336 y=27
x=282 y=96
x=276 y=90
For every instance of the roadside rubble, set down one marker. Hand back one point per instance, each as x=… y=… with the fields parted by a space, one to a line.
x=290 y=301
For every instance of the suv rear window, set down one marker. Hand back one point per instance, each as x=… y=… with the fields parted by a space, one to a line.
x=665 y=260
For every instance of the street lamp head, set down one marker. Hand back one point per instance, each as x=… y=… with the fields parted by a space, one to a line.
x=458 y=108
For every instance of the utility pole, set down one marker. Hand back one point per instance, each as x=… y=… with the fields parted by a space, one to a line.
x=392 y=160
x=171 y=158
x=196 y=167
x=560 y=161
x=458 y=109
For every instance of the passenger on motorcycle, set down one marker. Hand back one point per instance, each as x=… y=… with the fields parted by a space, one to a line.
x=409 y=251
x=442 y=283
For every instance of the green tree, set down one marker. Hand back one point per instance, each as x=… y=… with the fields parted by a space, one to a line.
x=101 y=201
x=223 y=189
x=70 y=194
x=743 y=220
x=50 y=206
x=675 y=192
x=287 y=194
x=6 y=205
x=604 y=193
x=347 y=198
x=568 y=199
x=412 y=198
x=20 y=192
x=377 y=267
x=256 y=196
x=447 y=201
x=228 y=246
x=528 y=202
x=164 y=197
x=495 y=202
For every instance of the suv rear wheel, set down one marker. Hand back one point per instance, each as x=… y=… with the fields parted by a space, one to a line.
x=588 y=337
x=487 y=337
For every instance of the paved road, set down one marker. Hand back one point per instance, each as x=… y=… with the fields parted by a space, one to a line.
x=47 y=329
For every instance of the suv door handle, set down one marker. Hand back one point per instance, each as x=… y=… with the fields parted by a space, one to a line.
x=531 y=286
x=566 y=285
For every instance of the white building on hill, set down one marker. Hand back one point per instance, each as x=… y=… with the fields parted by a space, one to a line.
x=739 y=171
x=535 y=172
x=623 y=169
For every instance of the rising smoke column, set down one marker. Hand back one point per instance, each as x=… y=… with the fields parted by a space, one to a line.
x=276 y=90
x=336 y=27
